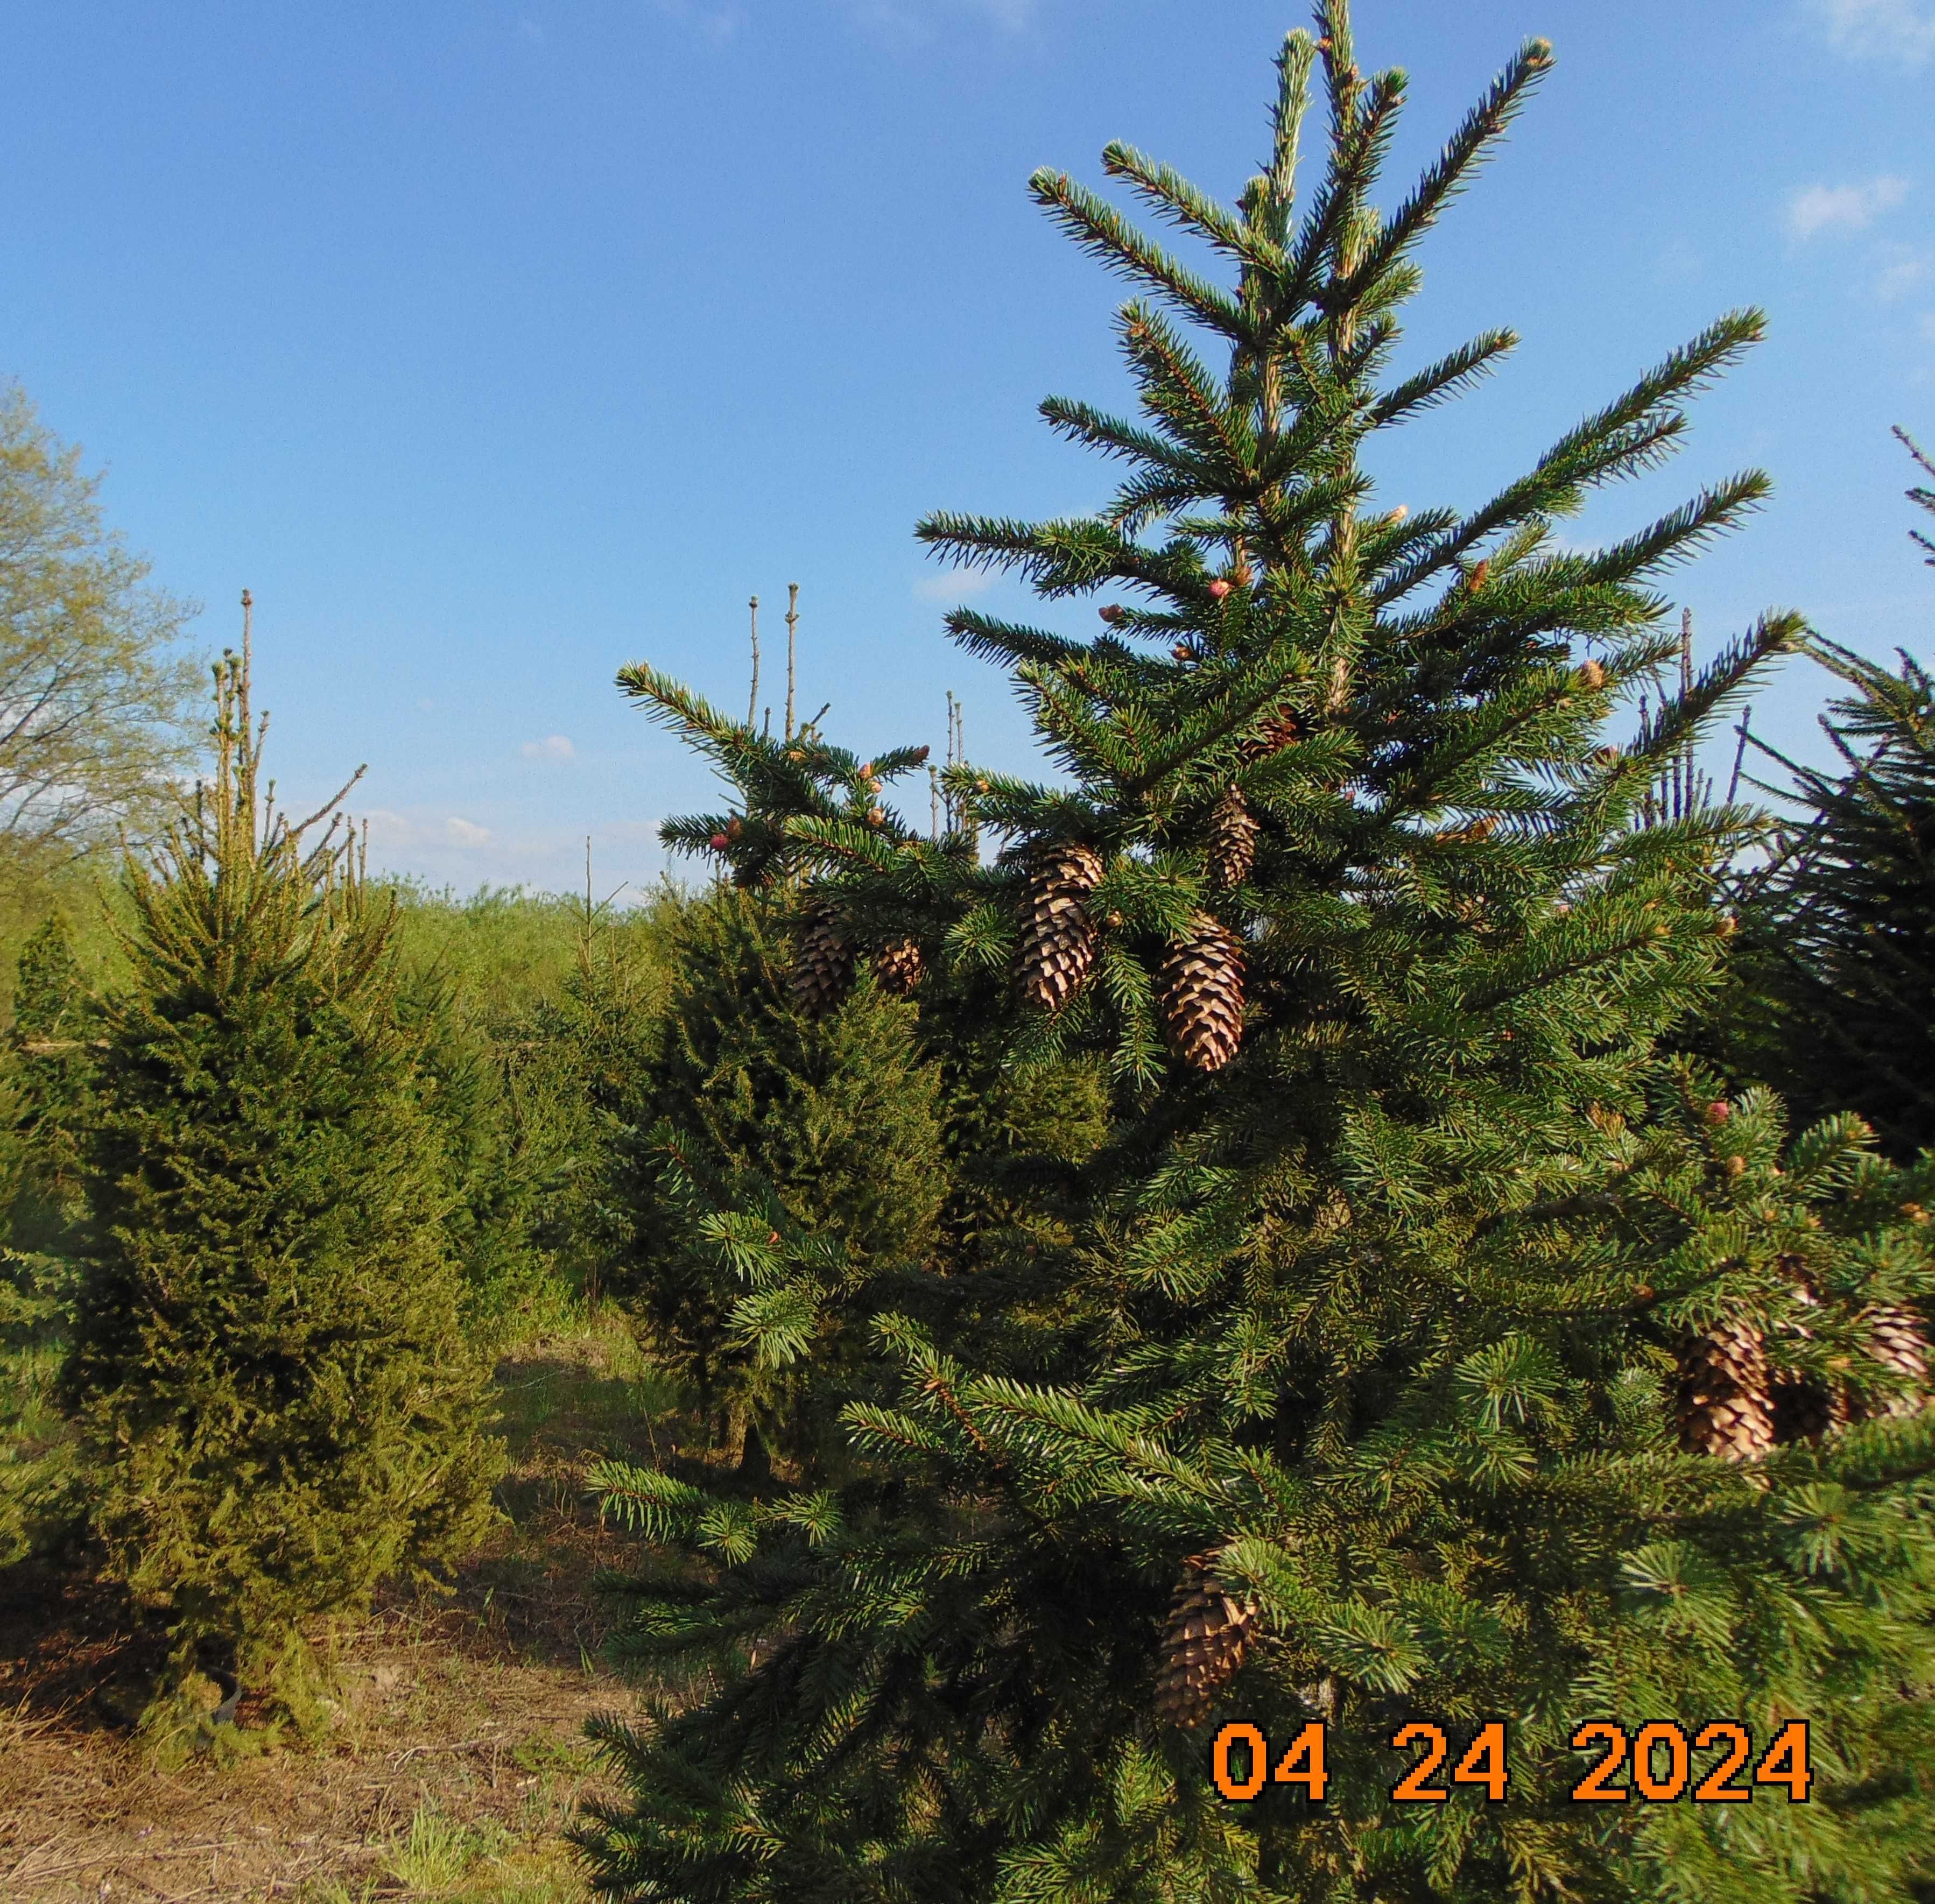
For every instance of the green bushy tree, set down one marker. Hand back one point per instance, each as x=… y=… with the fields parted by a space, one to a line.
x=267 y=1369
x=1423 y=1342
x=502 y=1144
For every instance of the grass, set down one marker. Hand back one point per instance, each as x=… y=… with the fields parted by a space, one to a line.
x=455 y=1759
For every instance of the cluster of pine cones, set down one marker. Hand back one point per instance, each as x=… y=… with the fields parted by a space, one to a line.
x=825 y=961
x=1199 y=983
x=1734 y=1404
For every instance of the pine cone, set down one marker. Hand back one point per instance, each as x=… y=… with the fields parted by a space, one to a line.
x=1201 y=988
x=1058 y=948
x=899 y=966
x=822 y=967
x=1232 y=848
x=1276 y=731
x=1203 y=1643
x=1898 y=1341
x=1722 y=1402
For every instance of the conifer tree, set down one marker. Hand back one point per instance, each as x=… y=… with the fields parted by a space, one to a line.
x=1424 y=1345
x=1834 y=1000
x=268 y=1369
x=828 y=1122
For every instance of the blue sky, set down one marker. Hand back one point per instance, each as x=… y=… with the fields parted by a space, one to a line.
x=495 y=343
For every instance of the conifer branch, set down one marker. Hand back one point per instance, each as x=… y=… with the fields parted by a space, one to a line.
x=1180 y=201
x=1099 y=229
x=1451 y=375
x=1486 y=123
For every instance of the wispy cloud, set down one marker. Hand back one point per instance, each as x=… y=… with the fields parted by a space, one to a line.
x=1902 y=269
x=713 y=22
x=553 y=747
x=428 y=843
x=394 y=832
x=919 y=18
x=1896 y=32
x=1819 y=208
x=957 y=585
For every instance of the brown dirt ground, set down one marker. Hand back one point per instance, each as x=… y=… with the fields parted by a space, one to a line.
x=456 y=1760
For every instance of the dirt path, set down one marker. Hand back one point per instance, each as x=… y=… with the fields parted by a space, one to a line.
x=455 y=1758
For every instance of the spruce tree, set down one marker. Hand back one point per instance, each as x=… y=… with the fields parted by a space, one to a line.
x=828 y=1123
x=268 y=1369
x=1834 y=999
x=1426 y=1344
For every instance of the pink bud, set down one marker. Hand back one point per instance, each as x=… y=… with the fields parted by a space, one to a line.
x=719 y=842
x=1718 y=1111
x=1219 y=588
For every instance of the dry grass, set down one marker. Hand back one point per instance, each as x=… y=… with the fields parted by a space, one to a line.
x=454 y=1759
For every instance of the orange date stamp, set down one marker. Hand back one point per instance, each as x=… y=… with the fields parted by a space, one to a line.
x=1654 y=1763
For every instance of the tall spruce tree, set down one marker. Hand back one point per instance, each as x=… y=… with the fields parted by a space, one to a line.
x=267 y=1368
x=1424 y=1345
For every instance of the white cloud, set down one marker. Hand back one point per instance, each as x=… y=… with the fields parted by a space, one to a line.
x=465 y=833
x=1904 y=268
x=1900 y=32
x=553 y=747
x=1818 y=208
x=957 y=585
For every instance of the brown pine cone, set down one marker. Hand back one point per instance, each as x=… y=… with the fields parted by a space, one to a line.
x=822 y=967
x=1899 y=1342
x=1058 y=941
x=1201 y=986
x=1207 y=1633
x=1722 y=1402
x=1274 y=733
x=899 y=966
x=1232 y=847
